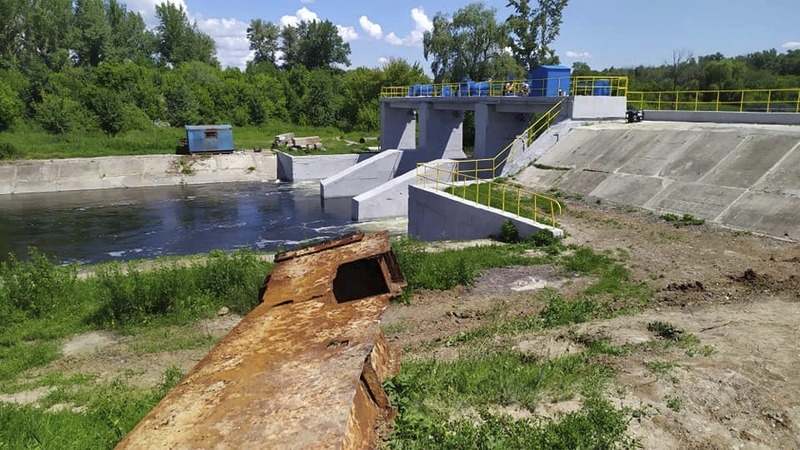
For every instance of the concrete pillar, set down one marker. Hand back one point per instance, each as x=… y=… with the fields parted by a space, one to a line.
x=398 y=128
x=495 y=130
x=441 y=132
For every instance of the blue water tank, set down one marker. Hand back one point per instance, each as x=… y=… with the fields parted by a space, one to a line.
x=209 y=138
x=601 y=87
x=549 y=81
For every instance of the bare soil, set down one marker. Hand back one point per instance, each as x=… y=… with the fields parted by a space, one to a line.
x=737 y=292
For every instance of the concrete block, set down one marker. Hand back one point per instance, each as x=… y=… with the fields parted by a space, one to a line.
x=772 y=214
x=115 y=166
x=316 y=167
x=629 y=189
x=434 y=215
x=700 y=200
x=724 y=117
x=598 y=107
x=784 y=176
x=363 y=176
x=390 y=199
x=702 y=155
x=750 y=161
x=8 y=174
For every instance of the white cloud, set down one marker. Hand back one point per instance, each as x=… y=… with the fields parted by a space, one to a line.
x=421 y=24
x=347 y=33
x=393 y=39
x=372 y=29
x=307 y=1
x=230 y=35
x=791 y=45
x=147 y=8
x=574 y=55
x=302 y=15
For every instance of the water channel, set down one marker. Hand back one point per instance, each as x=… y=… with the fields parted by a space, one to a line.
x=125 y=224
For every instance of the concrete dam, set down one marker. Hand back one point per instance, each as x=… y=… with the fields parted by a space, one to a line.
x=741 y=176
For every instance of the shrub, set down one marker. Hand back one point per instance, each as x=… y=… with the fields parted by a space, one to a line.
x=9 y=151
x=34 y=288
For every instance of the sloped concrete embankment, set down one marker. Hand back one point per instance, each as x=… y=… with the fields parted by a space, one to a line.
x=743 y=176
x=20 y=177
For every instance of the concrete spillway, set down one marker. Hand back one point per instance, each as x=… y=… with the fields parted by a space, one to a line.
x=743 y=176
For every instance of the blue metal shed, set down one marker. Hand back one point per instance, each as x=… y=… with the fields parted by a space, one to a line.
x=549 y=81
x=209 y=138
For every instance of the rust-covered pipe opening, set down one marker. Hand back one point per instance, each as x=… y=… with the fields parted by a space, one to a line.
x=304 y=369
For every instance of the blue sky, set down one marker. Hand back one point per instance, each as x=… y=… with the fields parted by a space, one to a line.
x=620 y=33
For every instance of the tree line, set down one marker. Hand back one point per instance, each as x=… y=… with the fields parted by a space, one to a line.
x=91 y=65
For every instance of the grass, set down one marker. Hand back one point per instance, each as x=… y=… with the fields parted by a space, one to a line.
x=43 y=303
x=682 y=221
x=31 y=143
x=153 y=301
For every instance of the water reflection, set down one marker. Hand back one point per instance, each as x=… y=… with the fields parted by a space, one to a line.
x=123 y=224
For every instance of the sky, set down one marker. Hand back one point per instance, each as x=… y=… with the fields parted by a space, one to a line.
x=618 y=33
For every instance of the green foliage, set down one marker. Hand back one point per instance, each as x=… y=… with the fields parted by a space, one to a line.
x=314 y=45
x=466 y=45
x=58 y=115
x=34 y=288
x=10 y=106
x=263 y=37
x=533 y=30
x=9 y=151
x=674 y=403
x=665 y=330
x=180 y=41
x=134 y=296
x=686 y=219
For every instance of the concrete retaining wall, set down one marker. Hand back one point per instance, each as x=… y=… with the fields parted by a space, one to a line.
x=316 y=167
x=390 y=199
x=434 y=215
x=724 y=117
x=19 y=177
x=599 y=107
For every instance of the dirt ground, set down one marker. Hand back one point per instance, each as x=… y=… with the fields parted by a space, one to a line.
x=738 y=293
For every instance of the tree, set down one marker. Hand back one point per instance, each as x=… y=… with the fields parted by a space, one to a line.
x=466 y=45
x=129 y=38
x=682 y=64
x=91 y=33
x=580 y=68
x=314 y=44
x=10 y=106
x=180 y=41
x=533 y=30
x=263 y=37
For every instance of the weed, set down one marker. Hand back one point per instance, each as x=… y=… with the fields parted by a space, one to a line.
x=251 y=169
x=508 y=232
x=686 y=219
x=563 y=312
x=9 y=151
x=674 y=403
x=662 y=369
x=665 y=330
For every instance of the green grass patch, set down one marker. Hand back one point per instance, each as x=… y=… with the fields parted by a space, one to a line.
x=43 y=303
x=682 y=221
x=32 y=143
x=428 y=395
x=449 y=268
x=107 y=413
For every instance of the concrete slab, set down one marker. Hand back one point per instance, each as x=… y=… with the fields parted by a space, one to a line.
x=772 y=214
x=580 y=181
x=116 y=167
x=700 y=200
x=7 y=173
x=703 y=154
x=667 y=147
x=784 y=177
x=630 y=189
x=579 y=148
x=627 y=146
x=751 y=160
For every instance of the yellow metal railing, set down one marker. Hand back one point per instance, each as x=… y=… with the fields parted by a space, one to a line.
x=472 y=179
x=488 y=168
x=548 y=87
x=499 y=195
x=741 y=100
